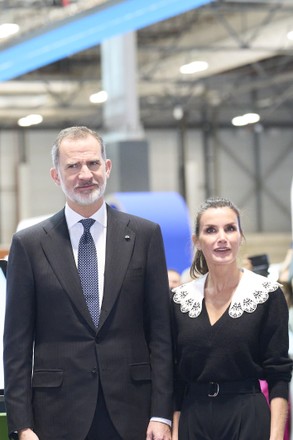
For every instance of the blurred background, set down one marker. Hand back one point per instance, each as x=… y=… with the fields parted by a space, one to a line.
x=193 y=97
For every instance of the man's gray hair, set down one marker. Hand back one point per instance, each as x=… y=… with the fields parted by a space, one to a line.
x=75 y=133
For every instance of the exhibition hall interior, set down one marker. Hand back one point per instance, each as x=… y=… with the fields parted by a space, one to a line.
x=206 y=85
x=194 y=99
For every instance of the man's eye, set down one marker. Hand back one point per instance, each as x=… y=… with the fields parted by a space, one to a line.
x=94 y=165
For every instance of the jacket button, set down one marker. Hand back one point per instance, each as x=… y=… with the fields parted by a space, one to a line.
x=94 y=371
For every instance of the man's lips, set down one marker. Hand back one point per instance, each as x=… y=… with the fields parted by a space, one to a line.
x=86 y=187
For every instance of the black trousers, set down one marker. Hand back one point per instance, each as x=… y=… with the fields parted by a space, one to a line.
x=102 y=427
x=226 y=417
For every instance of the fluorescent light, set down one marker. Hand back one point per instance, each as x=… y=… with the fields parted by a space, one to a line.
x=251 y=118
x=8 y=29
x=29 y=120
x=248 y=118
x=178 y=113
x=99 y=98
x=290 y=35
x=195 y=66
x=238 y=121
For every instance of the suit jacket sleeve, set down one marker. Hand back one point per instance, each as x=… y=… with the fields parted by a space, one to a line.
x=18 y=338
x=157 y=318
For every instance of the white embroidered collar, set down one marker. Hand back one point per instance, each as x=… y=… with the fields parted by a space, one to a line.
x=252 y=290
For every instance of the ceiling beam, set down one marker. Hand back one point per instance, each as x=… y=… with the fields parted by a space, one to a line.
x=87 y=30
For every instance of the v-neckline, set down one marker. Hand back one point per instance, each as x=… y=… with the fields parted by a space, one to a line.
x=225 y=312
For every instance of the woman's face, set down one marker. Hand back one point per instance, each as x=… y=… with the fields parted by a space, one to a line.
x=219 y=236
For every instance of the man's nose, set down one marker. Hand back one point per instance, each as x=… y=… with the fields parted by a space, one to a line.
x=85 y=172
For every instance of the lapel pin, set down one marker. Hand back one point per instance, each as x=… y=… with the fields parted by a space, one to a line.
x=127 y=238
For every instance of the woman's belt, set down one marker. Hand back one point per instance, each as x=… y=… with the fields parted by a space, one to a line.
x=214 y=389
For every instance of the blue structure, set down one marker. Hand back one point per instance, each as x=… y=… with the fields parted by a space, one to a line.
x=170 y=211
x=86 y=30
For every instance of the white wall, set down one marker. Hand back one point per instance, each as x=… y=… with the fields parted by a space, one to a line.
x=237 y=171
x=164 y=161
x=8 y=183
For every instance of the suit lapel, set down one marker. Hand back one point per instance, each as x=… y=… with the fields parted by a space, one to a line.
x=57 y=247
x=119 y=248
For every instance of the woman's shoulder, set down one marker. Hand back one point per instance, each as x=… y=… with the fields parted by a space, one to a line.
x=190 y=296
x=253 y=289
x=255 y=283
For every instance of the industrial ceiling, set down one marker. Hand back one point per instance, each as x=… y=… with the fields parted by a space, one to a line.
x=244 y=42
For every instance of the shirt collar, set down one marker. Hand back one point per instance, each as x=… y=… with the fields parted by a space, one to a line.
x=72 y=217
x=252 y=290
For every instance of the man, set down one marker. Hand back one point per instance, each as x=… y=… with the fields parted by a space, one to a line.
x=68 y=377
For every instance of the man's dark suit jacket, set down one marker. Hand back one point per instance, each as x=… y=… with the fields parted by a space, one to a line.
x=48 y=331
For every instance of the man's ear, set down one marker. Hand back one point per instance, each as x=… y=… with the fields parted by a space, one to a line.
x=55 y=176
x=108 y=165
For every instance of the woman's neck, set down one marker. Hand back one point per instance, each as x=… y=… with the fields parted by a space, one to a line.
x=220 y=280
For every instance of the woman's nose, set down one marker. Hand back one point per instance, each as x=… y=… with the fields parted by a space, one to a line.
x=221 y=235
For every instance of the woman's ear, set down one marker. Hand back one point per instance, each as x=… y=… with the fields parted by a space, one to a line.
x=196 y=242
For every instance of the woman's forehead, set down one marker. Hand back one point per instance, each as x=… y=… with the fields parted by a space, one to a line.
x=215 y=215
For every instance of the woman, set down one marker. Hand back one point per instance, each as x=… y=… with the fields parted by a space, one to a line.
x=231 y=329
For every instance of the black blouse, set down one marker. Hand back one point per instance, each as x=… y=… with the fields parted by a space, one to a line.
x=250 y=340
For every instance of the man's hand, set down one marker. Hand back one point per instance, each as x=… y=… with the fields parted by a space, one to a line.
x=27 y=434
x=158 y=431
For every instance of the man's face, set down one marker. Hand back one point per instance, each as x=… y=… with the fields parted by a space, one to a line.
x=82 y=172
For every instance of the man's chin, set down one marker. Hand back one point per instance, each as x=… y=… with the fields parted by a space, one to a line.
x=88 y=199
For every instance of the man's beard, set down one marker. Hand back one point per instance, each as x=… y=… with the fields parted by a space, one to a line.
x=87 y=198
x=90 y=198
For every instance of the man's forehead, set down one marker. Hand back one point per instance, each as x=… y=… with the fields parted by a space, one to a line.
x=82 y=146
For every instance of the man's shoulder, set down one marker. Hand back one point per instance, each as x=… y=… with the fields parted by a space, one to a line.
x=42 y=225
x=128 y=218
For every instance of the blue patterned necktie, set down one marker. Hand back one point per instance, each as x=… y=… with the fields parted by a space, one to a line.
x=88 y=269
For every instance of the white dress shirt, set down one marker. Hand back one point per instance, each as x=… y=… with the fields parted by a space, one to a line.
x=99 y=233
